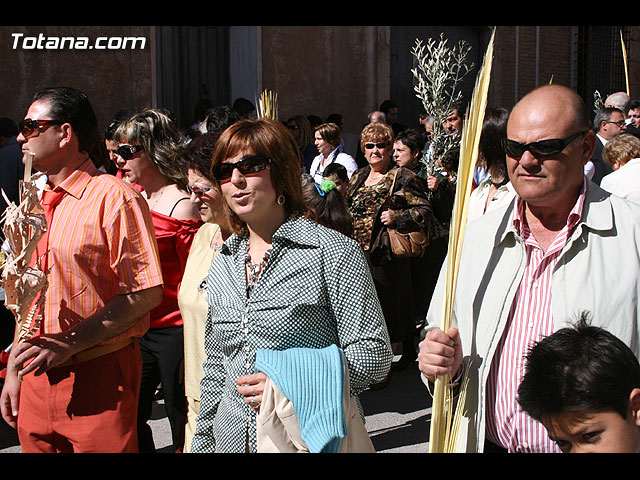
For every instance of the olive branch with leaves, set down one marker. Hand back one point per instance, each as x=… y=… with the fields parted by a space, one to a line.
x=439 y=73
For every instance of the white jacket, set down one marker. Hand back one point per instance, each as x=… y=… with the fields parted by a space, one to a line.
x=597 y=272
x=316 y=170
x=624 y=182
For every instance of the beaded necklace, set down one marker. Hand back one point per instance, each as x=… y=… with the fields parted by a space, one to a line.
x=254 y=269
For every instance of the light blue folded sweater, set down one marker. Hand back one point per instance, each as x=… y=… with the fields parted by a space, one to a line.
x=313 y=380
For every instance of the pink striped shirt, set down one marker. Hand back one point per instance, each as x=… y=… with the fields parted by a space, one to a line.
x=101 y=244
x=530 y=319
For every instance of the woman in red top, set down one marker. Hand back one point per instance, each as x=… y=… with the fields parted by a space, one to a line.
x=148 y=156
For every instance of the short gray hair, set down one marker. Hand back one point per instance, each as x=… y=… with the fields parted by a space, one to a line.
x=604 y=115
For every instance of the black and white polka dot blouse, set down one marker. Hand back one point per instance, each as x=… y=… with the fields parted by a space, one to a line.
x=315 y=290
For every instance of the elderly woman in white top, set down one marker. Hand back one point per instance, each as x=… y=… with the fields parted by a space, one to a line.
x=622 y=153
x=327 y=139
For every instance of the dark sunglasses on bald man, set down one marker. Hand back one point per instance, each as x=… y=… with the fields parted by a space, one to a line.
x=28 y=126
x=250 y=164
x=542 y=149
x=128 y=151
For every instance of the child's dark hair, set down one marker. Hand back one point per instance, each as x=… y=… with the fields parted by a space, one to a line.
x=328 y=206
x=579 y=370
x=412 y=138
x=336 y=169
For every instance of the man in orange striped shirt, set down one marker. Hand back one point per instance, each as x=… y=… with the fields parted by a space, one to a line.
x=81 y=372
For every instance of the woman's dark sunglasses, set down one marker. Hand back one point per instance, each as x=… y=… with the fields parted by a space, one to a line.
x=128 y=151
x=28 y=126
x=198 y=190
x=542 y=149
x=250 y=164
x=380 y=145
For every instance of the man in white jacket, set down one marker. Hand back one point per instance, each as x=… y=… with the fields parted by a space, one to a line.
x=562 y=248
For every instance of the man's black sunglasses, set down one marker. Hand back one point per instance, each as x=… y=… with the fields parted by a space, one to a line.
x=542 y=149
x=128 y=151
x=250 y=164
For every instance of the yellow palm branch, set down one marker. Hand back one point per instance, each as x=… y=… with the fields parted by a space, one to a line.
x=268 y=105
x=626 y=67
x=444 y=425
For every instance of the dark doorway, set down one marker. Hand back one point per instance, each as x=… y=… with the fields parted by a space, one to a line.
x=600 y=61
x=192 y=63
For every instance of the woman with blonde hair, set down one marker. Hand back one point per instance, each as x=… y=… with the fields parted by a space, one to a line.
x=380 y=196
x=279 y=283
x=622 y=154
x=148 y=153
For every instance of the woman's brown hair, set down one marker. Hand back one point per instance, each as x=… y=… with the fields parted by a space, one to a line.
x=328 y=206
x=272 y=139
x=330 y=133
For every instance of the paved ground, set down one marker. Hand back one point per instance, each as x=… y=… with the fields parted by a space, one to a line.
x=397 y=418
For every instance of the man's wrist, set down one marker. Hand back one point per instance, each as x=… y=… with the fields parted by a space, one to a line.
x=455 y=380
x=453 y=383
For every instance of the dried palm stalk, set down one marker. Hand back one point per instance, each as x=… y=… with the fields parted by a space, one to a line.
x=268 y=105
x=444 y=426
x=626 y=67
x=24 y=285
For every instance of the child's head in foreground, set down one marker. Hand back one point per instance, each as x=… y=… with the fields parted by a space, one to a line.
x=583 y=384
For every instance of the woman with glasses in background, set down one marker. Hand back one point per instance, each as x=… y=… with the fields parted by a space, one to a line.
x=206 y=243
x=280 y=282
x=148 y=153
x=374 y=208
x=302 y=132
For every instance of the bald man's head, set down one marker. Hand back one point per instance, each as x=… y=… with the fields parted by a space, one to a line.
x=562 y=98
x=619 y=100
x=555 y=117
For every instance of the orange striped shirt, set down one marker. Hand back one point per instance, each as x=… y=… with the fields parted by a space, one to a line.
x=101 y=244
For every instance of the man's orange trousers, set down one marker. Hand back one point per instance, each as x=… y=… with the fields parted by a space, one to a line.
x=90 y=407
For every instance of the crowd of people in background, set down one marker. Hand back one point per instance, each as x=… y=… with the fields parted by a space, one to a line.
x=245 y=250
